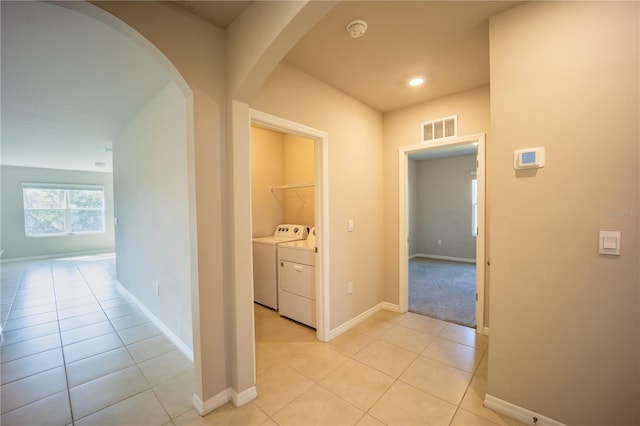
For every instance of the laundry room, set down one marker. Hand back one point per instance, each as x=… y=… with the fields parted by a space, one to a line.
x=283 y=213
x=277 y=160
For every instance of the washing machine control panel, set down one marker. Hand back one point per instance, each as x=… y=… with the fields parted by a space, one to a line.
x=291 y=231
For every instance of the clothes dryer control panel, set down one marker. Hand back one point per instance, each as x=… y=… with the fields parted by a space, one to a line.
x=291 y=232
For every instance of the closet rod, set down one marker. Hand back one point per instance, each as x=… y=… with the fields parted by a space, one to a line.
x=291 y=186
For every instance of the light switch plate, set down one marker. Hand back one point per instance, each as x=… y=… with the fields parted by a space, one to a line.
x=609 y=243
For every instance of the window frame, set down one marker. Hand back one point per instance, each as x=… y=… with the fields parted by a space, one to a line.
x=67 y=209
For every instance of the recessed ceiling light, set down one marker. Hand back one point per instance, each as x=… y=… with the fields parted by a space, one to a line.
x=416 y=81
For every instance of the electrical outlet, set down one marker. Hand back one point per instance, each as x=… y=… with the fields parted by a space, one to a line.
x=157 y=289
x=439 y=242
x=350 y=287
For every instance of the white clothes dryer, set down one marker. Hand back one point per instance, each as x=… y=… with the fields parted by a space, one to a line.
x=297 y=279
x=265 y=270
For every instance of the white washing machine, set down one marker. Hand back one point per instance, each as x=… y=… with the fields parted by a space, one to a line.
x=265 y=270
x=297 y=279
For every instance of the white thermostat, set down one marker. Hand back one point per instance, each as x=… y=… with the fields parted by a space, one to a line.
x=528 y=158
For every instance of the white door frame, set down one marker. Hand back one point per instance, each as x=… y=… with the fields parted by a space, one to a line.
x=403 y=250
x=321 y=140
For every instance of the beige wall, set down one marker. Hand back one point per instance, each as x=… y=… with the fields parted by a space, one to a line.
x=444 y=207
x=267 y=169
x=280 y=159
x=564 y=319
x=249 y=63
x=355 y=181
x=402 y=128
x=299 y=167
x=196 y=49
x=152 y=207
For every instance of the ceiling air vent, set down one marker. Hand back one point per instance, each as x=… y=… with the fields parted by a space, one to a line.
x=440 y=129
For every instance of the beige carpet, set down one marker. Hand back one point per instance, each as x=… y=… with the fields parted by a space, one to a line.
x=443 y=289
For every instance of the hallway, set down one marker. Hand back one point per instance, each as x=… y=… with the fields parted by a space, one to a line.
x=390 y=369
x=75 y=350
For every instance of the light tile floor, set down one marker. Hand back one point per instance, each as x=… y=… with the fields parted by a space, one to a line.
x=75 y=351
x=393 y=369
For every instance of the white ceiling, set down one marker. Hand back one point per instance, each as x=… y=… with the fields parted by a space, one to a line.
x=70 y=83
x=447 y=42
x=219 y=13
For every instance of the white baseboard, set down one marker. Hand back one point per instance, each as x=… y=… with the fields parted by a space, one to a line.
x=358 y=319
x=186 y=351
x=57 y=256
x=521 y=414
x=389 y=307
x=204 y=408
x=438 y=257
x=342 y=328
x=227 y=395
x=239 y=399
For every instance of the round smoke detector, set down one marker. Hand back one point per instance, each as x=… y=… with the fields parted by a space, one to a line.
x=357 y=28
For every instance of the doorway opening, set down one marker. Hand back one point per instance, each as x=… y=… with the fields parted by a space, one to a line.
x=441 y=234
x=300 y=200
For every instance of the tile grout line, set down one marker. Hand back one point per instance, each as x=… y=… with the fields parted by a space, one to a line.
x=36 y=353
x=64 y=360
x=57 y=286
x=352 y=358
x=11 y=308
x=119 y=338
x=86 y=283
x=4 y=324
x=397 y=379
x=149 y=387
x=26 y=340
x=13 y=299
